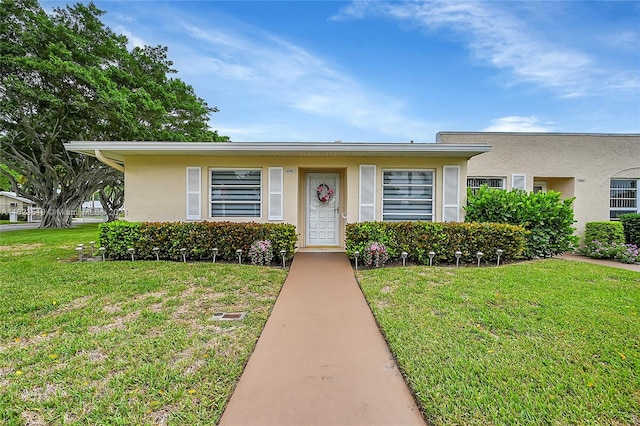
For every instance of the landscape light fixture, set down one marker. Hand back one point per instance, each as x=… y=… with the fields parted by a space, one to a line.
x=479 y=256
x=79 y=249
x=432 y=254
x=356 y=254
x=283 y=252
x=499 y=253
x=93 y=247
x=404 y=255
x=131 y=251
x=101 y=251
x=156 y=251
x=183 y=252
x=215 y=253
x=458 y=253
x=239 y=253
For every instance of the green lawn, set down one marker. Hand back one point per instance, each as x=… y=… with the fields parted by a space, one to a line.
x=549 y=342
x=546 y=342
x=121 y=342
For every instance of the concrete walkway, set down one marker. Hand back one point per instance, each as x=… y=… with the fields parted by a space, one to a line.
x=603 y=262
x=321 y=359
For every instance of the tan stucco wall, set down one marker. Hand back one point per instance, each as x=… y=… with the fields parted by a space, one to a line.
x=589 y=161
x=155 y=186
x=6 y=207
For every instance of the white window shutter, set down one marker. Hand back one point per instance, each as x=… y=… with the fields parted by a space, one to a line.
x=193 y=193
x=275 y=193
x=367 y=193
x=451 y=193
x=519 y=181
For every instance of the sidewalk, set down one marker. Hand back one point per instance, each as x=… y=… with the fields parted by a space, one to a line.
x=321 y=359
x=603 y=262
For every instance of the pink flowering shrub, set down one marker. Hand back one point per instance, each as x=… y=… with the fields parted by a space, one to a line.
x=626 y=253
x=261 y=253
x=375 y=254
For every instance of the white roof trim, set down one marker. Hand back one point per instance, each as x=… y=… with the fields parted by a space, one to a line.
x=119 y=150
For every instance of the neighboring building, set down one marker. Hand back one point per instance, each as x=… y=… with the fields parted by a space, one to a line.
x=319 y=187
x=287 y=182
x=601 y=170
x=13 y=205
x=92 y=208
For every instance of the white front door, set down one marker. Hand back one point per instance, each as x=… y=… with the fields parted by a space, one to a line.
x=323 y=212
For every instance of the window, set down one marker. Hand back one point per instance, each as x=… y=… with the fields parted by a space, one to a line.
x=539 y=186
x=623 y=197
x=236 y=193
x=474 y=183
x=407 y=195
x=519 y=182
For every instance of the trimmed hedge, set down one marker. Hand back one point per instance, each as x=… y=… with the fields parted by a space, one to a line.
x=546 y=215
x=631 y=225
x=605 y=232
x=419 y=238
x=199 y=238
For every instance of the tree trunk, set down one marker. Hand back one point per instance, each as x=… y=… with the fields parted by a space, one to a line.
x=57 y=216
x=112 y=200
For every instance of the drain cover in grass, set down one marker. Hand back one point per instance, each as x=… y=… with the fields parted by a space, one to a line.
x=229 y=316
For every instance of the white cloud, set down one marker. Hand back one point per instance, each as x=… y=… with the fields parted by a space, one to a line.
x=293 y=78
x=625 y=39
x=516 y=123
x=499 y=38
x=133 y=40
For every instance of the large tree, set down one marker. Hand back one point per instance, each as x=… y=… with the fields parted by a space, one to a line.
x=66 y=76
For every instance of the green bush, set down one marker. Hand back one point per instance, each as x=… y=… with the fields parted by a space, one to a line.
x=631 y=225
x=605 y=232
x=470 y=238
x=419 y=238
x=199 y=238
x=116 y=237
x=606 y=240
x=359 y=235
x=546 y=216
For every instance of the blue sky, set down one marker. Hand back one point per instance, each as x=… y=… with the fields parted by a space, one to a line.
x=394 y=71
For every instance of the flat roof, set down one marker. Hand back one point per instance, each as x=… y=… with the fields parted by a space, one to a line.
x=541 y=134
x=119 y=150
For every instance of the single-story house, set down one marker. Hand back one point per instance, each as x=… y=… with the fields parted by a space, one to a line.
x=602 y=171
x=319 y=187
x=13 y=205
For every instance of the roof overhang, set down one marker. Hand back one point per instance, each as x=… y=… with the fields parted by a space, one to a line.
x=14 y=196
x=118 y=151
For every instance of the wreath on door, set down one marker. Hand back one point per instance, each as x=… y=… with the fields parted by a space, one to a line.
x=324 y=193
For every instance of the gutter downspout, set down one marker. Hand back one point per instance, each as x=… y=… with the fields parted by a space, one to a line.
x=108 y=162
